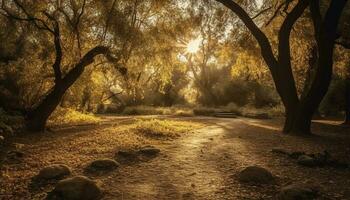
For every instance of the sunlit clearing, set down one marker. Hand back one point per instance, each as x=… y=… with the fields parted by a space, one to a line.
x=193 y=45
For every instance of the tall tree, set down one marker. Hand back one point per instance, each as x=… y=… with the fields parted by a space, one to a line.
x=299 y=111
x=51 y=23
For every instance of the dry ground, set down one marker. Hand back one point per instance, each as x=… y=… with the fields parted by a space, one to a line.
x=201 y=164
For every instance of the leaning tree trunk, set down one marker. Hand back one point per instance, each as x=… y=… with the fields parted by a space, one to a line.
x=37 y=118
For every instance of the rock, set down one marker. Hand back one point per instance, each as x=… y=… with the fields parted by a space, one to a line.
x=307 y=161
x=149 y=151
x=143 y=154
x=296 y=154
x=103 y=165
x=15 y=155
x=56 y=171
x=256 y=175
x=188 y=196
x=337 y=164
x=5 y=129
x=280 y=151
x=298 y=192
x=125 y=156
x=2 y=139
x=76 y=188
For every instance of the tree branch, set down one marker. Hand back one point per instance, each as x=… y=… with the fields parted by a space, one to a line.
x=266 y=49
x=284 y=33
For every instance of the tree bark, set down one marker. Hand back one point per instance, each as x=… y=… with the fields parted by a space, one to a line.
x=347 y=100
x=37 y=118
x=299 y=112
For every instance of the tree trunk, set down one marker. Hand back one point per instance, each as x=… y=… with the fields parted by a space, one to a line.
x=347 y=101
x=299 y=112
x=37 y=118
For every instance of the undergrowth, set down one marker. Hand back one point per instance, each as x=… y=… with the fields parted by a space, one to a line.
x=158 y=129
x=68 y=116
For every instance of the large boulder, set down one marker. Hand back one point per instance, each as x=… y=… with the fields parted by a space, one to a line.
x=298 y=192
x=102 y=165
x=56 y=171
x=76 y=188
x=256 y=175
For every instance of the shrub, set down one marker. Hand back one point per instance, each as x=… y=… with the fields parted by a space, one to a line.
x=68 y=115
x=203 y=111
x=146 y=110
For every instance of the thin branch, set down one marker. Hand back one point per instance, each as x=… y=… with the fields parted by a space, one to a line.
x=261 y=12
x=275 y=14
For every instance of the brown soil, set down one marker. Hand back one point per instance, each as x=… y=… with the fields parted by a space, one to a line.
x=200 y=165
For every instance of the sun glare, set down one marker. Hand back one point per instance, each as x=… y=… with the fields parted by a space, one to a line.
x=193 y=45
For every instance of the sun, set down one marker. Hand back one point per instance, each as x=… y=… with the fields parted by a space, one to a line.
x=193 y=46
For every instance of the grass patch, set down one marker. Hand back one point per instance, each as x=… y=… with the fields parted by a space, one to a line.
x=163 y=129
x=150 y=110
x=71 y=116
x=179 y=111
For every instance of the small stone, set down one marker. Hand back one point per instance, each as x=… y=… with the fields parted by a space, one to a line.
x=296 y=154
x=56 y=171
x=103 y=165
x=307 y=161
x=298 y=192
x=280 y=151
x=5 y=129
x=76 y=188
x=2 y=139
x=188 y=196
x=256 y=175
x=149 y=151
x=15 y=155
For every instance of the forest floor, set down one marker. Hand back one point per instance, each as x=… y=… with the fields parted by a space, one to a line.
x=201 y=164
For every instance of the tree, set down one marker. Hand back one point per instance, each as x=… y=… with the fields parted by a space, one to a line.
x=50 y=22
x=299 y=111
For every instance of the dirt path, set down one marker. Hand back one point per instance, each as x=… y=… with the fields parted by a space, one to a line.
x=203 y=165
x=182 y=171
x=200 y=165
